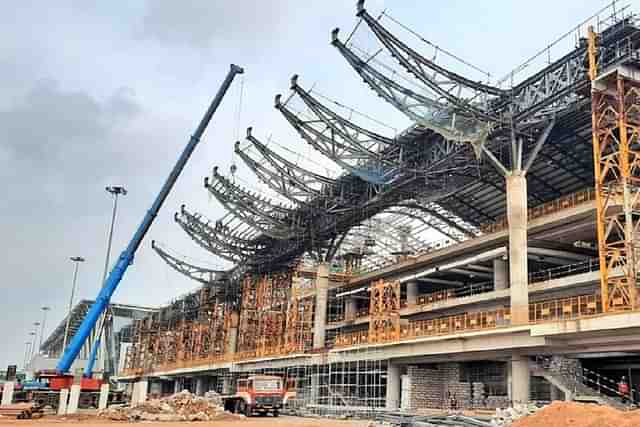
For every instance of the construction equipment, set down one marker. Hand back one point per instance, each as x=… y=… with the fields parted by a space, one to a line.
x=258 y=393
x=126 y=257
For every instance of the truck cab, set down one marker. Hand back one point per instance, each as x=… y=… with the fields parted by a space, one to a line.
x=258 y=393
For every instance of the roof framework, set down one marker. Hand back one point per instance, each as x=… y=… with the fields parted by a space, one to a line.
x=433 y=181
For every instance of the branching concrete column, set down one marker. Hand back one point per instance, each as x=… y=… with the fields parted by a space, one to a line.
x=520 y=379
x=393 y=386
x=233 y=333
x=412 y=292
x=320 y=315
x=500 y=274
x=518 y=271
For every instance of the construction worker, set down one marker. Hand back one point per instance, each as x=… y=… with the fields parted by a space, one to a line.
x=623 y=389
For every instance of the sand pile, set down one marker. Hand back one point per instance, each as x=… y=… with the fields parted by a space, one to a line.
x=563 y=414
x=182 y=406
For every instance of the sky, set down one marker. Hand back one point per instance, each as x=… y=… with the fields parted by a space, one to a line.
x=107 y=93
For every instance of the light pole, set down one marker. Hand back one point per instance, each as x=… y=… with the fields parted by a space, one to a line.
x=36 y=350
x=27 y=346
x=33 y=344
x=44 y=320
x=77 y=260
x=115 y=191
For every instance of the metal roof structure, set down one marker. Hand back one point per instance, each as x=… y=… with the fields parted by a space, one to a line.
x=439 y=179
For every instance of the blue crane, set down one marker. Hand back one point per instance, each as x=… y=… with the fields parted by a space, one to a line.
x=126 y=257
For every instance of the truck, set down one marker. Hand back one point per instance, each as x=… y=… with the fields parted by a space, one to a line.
x=261 y=394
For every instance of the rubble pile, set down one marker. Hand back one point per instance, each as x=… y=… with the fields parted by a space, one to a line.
x=506 y=417
x=182 y=406
x=561 y=414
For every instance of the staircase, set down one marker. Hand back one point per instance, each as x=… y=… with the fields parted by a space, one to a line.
x=572 y=384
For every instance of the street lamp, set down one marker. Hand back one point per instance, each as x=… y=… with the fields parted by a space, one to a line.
x=33 y=334
x=115 y=191
x=44 y=320
x=27 y=346
x=36 y=350
x=76 y=260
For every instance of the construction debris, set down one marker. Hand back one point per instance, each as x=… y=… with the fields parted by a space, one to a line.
x=561 y=414
x=182 y=406
x=506 y=417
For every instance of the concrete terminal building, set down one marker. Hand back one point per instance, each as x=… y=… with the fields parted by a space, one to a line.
x=485 y=256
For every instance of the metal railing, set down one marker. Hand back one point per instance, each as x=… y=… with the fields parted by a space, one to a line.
x=588 y=266
x=565 y=202
x=565 y=308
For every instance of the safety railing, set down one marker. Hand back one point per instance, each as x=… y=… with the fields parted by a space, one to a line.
x=565 y=309
x=588 y=266
x=456 y=324
x=565 y=202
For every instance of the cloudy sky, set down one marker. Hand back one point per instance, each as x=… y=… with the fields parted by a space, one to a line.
x=103 y=93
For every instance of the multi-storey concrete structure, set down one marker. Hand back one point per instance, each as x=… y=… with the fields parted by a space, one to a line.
x=531 y=296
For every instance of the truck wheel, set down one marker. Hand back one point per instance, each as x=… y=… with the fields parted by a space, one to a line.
x=276 y=413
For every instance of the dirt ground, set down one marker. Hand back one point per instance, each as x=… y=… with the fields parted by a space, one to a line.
x=90 y=421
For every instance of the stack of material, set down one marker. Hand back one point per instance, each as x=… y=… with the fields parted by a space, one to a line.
x=182 y=406
x=560 y=414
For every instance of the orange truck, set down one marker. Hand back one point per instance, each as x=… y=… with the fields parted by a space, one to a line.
x=261 y=394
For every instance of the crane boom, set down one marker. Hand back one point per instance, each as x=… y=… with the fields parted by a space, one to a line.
x=126 y=257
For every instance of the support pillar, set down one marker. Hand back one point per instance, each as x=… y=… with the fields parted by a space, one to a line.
x=177 y=385
x=518 y=269
x=63 y=401
x=500 y=274
x=232 y=344
x=226 y=385
x=520 y=379
x=104 y=396
x=412 y=293
x=142 y=390
x=200 y=386
x=393 y=386
x=350 y=308
x=7 y=393
x=74 y=399
x=320 y=316
x=155 y=389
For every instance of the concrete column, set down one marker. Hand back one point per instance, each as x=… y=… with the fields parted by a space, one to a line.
x=226 y=385
x=518 y=271
x=393 y=386
x=63 y=401
x=104 y=396
x=200 y=386
x=74 y=399
x=143 y=386
x=177 y=385
x=233 y=333
x=7 y=393
x=520 y=379
x=320 y=315
x=500 y=274
x=155 y=388
x=350 y=308
x=135 y=394
x=412 y=293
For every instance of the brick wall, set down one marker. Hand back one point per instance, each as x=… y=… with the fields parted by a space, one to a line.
x=438 y=386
